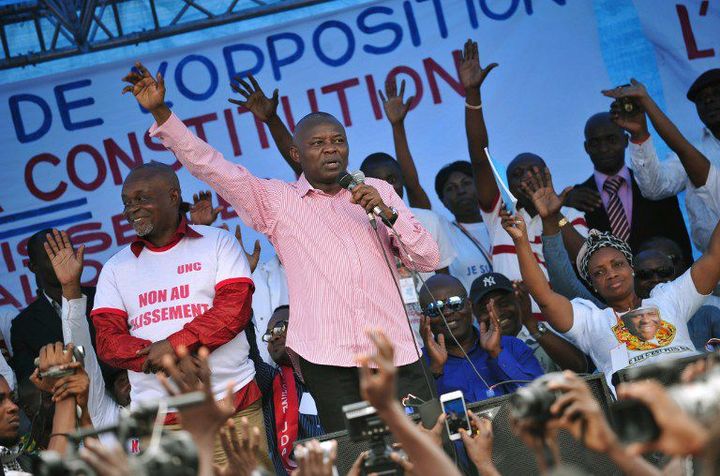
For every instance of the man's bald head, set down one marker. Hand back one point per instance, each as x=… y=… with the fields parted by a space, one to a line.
x=312 y=120
x=601 y=120
x=320 y=147
x=155 y=171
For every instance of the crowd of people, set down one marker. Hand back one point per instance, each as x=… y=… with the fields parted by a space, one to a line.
x=368 y=298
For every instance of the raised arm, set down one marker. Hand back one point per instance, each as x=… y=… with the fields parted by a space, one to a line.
x=695 y=163
x=556 y=308
x=472 y=77
x=265 y=109
x=396 y=110
x=255 y=200
x=705 y=272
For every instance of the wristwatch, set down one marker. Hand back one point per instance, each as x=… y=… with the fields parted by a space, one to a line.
x=542 y=329
x=562 y=222
x=391 y=221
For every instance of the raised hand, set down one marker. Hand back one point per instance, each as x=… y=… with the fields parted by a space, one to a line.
x=241 y=450
x=584 y=199
x=378 y=387
x=514 y=225
x=490 y=331
x=539 y=188
x=202 y=211
x=53 y=355
x=66 y=262
x=313 y=462
x=262 y=107
x=635 y=124
x=436 y=349
x=254 y=257
x=149 y=91
x=522 y=295
x=472 y=74
x=395 y=108
x=76 y=385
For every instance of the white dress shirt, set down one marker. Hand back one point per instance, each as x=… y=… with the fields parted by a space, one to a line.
x=271 y=291
x=658 y=180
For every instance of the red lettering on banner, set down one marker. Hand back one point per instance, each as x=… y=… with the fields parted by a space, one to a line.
x=6 y=298
x=8 y=257
x=30 y=178
x=72 y=168
x=312 y=99
x=227 y=211
x=691 y=46
x=114 y=152
x=27 y=289
x=232 y=132
x=78 y=237
x=373 y=95
x=198 y=122
x=124 y=233
x=431 y=69
x=262 y=135
x=97 y=266
x=340 y=88
x=289 y=121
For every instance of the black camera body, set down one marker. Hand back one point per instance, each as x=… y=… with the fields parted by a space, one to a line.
x=533 y=401
x=363 y=424
x=174 y=455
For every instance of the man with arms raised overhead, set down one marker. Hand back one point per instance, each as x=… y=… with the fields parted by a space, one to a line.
x=338 y=281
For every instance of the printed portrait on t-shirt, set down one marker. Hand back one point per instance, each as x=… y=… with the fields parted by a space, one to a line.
x=644 y=329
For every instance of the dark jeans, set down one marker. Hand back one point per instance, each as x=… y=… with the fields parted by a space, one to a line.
x=333 y=387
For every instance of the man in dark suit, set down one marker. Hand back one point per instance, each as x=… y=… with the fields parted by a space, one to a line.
x=611 y=198
x=40 y=323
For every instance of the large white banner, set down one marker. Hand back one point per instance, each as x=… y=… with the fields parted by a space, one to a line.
x=70 y=139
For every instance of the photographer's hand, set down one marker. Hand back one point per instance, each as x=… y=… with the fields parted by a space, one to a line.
x=313 y=462
x=53 y=355
x=106 y=461
x=680 y=434
x=479 y=444
x=241 y=450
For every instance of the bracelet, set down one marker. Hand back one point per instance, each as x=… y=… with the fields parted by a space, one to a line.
x=474 y=108
x=563 y=221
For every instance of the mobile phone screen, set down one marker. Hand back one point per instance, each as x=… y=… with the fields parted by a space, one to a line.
x=456 y=415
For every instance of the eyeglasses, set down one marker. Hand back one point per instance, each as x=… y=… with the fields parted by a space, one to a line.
x=453 y=304
x=663 y=272
x=713 y=345
x=279 y=329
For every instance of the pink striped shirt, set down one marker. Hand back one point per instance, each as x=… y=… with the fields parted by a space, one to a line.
x=338 y=282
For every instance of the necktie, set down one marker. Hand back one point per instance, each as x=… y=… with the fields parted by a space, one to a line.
x=615 y=211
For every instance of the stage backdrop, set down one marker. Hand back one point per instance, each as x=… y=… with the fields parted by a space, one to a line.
x=68 y=140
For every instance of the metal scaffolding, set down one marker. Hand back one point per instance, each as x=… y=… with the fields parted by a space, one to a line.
x=64 y=28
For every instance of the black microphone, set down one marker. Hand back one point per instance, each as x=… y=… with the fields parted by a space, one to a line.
x=349 y=181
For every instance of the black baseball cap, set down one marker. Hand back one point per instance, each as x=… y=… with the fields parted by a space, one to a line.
x=488 y=283
x=711 y=76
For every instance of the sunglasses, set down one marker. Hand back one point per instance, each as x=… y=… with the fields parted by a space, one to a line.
x=452 y=304
x=279 y=329
x=664 y=272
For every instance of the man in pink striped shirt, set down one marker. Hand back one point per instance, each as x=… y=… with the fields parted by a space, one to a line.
x=338 y=281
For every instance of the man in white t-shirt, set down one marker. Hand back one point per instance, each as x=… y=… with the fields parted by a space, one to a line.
x=175 y=285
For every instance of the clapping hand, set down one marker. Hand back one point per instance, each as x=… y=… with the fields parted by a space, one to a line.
x=435 y=348
x=149 y=91
x=539 y=189
x=490 y=331
x=472 y=74
x=395 y=108
x=262 y=107
x=202 y=211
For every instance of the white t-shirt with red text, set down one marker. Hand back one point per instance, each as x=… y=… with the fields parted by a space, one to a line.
x=161 y=291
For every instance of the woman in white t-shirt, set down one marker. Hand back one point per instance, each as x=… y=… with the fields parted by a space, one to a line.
x=630 y=331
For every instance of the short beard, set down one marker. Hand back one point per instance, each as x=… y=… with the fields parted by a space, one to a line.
x=143 y=231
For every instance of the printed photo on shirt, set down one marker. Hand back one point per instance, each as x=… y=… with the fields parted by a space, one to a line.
x=644 y=329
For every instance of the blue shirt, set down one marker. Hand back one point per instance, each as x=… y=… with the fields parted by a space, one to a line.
x=515 y=362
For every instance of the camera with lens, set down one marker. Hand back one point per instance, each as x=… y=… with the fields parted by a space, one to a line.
x=173 y=454
x=627 y=106
x=533 y=401
x=363 y=424
x=633 y=421
x=56 y=371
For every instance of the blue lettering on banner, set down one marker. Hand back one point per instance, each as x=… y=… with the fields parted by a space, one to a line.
x=230 y=64
x=65 y=106
x=442 y=25
x=412 y=23
x=386 y=26
x=276 y=62
x=22 y=135
x=345 y=57
x=180 y=82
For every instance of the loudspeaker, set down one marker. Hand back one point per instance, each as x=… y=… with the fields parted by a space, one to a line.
x=510 y=455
